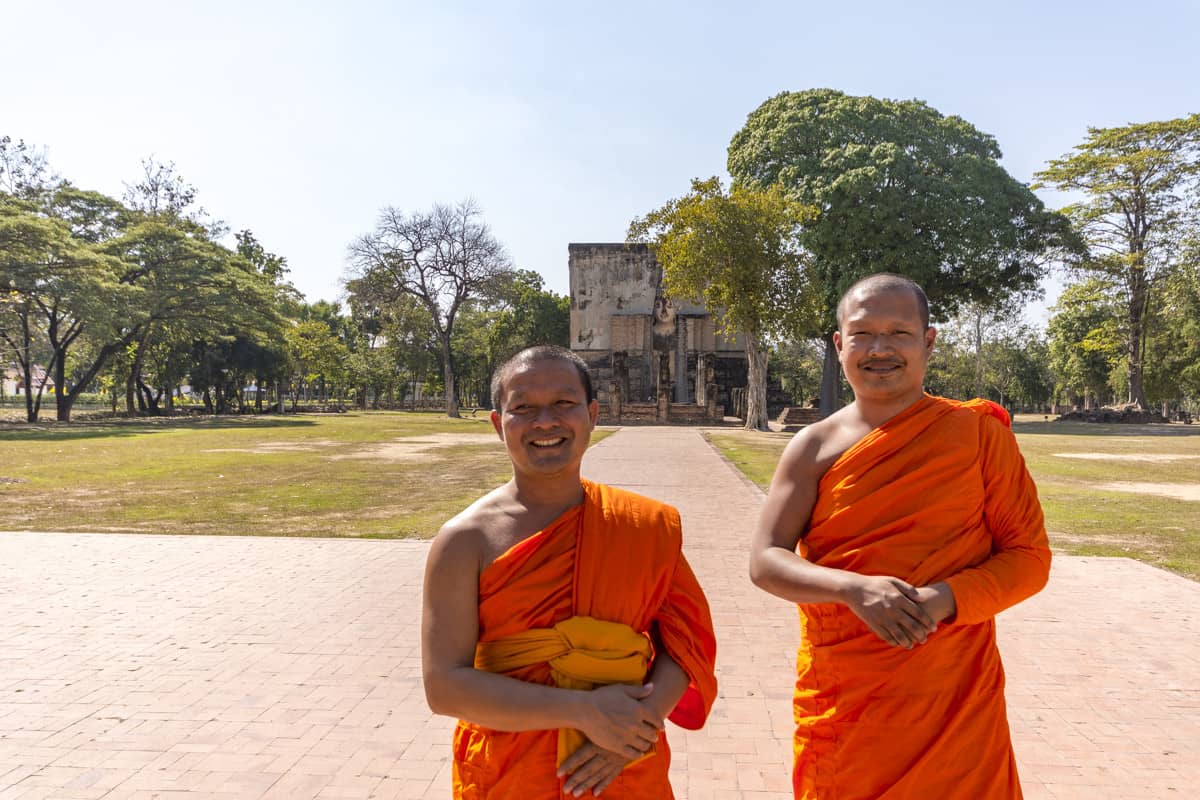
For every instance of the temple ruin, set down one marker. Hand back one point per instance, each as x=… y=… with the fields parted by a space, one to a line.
x=653 y=358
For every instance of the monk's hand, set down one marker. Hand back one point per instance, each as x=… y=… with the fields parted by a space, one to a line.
x=616 y=720
x=938 y=600
x=590 y=768
x=891 y=608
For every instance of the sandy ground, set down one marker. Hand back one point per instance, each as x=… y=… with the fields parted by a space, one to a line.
x=1154 y=458
x=414 y=448
x=1179 y=491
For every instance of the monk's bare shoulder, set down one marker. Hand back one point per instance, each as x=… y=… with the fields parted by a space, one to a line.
x=465 y=537
x=815 y=448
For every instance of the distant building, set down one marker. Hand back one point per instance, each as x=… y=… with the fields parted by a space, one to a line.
x=12 y=383
x=642 y=346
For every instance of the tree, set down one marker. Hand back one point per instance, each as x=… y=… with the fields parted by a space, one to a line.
x=58 y=280
x=442 y=258
x=1084 y=342
x=317 y=355
x=517 y=312
x=24 y=171
x=1138 y=181
x=898 y=187
x=738 y=253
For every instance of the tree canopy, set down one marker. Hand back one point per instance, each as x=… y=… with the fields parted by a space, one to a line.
x=738 y=253
x=1141 y=194
x=442 y=258
x=898 y=187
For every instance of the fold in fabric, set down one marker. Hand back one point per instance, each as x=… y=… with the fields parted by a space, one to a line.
x=938 y=493
x=582 y=652
x=616 y=559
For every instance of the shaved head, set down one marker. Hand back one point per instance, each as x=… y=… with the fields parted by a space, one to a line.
x=531 y=355
x=885 y=282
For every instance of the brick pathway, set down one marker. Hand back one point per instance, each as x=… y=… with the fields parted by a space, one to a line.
x=159 y=667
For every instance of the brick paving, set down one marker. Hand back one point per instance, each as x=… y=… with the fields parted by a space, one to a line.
x=163 y=667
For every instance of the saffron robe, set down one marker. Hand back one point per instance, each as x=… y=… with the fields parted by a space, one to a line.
x=938 y=493
x=617 y=557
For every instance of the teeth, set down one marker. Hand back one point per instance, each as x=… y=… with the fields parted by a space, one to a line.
x=547 y=442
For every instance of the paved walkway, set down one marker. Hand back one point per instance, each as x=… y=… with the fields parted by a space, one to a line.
x=160 y=667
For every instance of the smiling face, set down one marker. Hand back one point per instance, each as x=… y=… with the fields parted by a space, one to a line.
x=884 y=345
x=545 y=418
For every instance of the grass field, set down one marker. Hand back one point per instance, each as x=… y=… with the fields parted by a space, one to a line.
x=377 y=474
x=1113 y=490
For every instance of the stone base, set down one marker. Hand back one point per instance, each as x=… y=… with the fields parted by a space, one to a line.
x=656 y=414
x=793 y=418
x=1125 y=416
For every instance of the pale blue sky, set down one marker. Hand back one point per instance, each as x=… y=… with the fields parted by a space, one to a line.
x=299 y=120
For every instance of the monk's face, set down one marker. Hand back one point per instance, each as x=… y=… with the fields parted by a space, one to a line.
x=883 y=345
x=545 y=419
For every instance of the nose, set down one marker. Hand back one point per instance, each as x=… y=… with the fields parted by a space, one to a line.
x=878 y=345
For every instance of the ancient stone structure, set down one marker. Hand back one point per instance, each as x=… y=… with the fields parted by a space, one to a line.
x=653 y=358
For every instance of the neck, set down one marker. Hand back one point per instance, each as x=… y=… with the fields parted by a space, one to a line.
x=558 y=492
x=877 y=412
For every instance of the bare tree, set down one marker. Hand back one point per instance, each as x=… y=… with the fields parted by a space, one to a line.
x=442 y=258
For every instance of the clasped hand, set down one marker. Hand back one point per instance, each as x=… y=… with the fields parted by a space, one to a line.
x=898 y=613
x=621 y=728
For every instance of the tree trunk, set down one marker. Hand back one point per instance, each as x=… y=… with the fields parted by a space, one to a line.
x=1139 y=295
x=448 y=377
x=831 y=378
x=756 y=392
x=979 y=354
x=25 y=358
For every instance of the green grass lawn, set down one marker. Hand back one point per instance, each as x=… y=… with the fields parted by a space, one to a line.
x=1072 y=463
x=309 y=475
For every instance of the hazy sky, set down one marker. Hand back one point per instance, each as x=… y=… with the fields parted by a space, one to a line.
x=563 y=120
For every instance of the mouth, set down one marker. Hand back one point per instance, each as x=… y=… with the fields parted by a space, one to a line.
x=881 y=367
x=545 y=443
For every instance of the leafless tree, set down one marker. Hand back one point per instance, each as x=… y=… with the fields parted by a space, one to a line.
x=442 y=258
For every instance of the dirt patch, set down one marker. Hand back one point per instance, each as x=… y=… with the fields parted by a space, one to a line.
x=412 y=449
x=1179 y=491
x=276 y=447
x=1154 y=458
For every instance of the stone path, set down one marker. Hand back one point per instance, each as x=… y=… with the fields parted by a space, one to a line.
x=162 y=667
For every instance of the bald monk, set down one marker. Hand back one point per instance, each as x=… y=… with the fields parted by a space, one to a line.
x=561 y=622
x=901 y=525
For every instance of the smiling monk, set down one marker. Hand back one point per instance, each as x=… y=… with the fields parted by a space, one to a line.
x=561 y=622
x=901 y=525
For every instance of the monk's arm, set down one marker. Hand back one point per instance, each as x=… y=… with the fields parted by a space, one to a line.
x=611 y=716
x=1020 y=561
x=669 y=681
x=888 y=605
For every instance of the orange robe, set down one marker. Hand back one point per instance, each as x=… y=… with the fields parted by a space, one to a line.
x=617 y=557
x=938 y=493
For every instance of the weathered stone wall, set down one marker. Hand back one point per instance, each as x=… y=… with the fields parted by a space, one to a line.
x=641 y=346
x=614 y=281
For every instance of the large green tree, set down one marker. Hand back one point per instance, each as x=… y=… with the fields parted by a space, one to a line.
x=738 y=253
x=58 y=279
x=898 y=187
x=1140 y=194
x=1084 y=343
x=442 y=258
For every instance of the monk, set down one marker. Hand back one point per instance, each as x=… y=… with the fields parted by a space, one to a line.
x=562 y=624
x=901 y=525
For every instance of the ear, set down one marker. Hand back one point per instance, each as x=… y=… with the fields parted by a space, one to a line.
x=837 y=341
x=930 y=336
x=495 y=418
x=594 y=411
